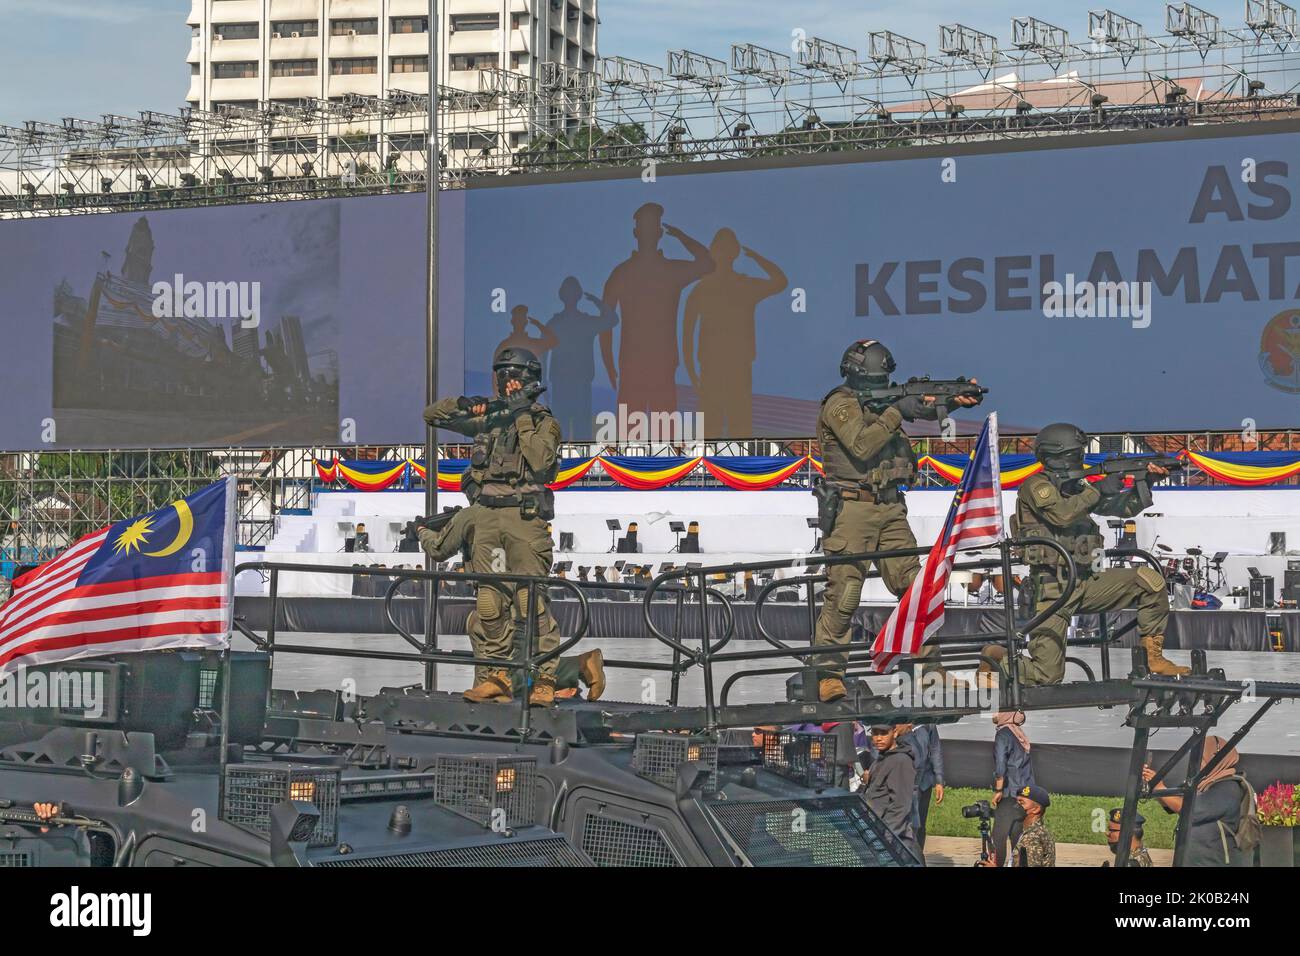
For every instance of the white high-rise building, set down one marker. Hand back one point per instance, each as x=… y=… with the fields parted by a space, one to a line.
x=246 y=53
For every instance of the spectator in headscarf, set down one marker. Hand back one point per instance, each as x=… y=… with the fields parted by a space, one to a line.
x=1217 y=812
x=1012 y=771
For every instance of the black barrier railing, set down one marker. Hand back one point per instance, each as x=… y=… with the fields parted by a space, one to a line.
x=685 y=586
x=709 y=655
x=525 y=662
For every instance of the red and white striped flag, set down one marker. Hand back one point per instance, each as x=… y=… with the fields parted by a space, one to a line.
x=974 y=520
x=164 y=580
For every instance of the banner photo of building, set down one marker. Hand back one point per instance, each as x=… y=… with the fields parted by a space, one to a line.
x=245 y=325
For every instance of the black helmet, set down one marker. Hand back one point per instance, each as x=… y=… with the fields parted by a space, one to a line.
x=867 y=364
x=1060 y=448
x=517 y=363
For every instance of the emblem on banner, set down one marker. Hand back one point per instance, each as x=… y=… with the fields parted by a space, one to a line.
x=1279 y=351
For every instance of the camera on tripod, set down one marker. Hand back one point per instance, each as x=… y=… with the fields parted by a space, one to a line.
x=982 y=810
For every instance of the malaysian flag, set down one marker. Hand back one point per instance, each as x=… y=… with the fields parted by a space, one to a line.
x=160 y=581
x=974 y=520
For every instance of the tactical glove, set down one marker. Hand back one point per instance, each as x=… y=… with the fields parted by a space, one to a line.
x=1111 y=485
x=914 y=408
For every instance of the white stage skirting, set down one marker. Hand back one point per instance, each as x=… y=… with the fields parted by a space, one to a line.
x=754 y=526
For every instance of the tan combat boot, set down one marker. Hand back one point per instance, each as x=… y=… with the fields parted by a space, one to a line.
x=591 y=670
x=1157 y=663
x=543 y=694
x=831 y=689
x=494 y=687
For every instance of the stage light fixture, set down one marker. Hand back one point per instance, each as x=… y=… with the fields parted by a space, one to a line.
x=106 y=185
x=189 y=180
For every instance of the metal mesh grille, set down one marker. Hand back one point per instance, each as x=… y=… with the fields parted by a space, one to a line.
x=831 y=831
x=9 y=858
x=611 y=842
x=253 y=791
x=484 y=786
x=806 y=758
x=548 y=852
x=208 y=687
x=658 y=756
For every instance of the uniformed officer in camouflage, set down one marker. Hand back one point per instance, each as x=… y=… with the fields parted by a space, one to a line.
x=515 y=455
x=456 y=537
x=1056 y=503
x=867 y=459
x=1036 y=846
x=1138 y=854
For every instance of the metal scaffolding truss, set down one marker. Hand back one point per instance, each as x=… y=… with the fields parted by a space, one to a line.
x=697 y=107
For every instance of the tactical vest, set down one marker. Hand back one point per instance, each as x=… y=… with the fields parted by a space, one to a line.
x=895 y=464
x=498 y=468
x=1081 y=538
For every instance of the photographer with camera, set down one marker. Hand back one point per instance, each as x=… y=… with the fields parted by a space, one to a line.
x=1012 y=772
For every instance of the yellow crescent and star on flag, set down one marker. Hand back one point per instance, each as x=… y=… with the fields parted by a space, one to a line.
x=136 y=535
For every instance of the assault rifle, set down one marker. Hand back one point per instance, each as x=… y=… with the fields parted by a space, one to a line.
x=1135 y=465
x=497 y=407
x=440 y=521
x=944 y=391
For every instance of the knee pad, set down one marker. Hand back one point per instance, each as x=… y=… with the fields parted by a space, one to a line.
x=850 y=596
x=521 y=603
x=490 y=604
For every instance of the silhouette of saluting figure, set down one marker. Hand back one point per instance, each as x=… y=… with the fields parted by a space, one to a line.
x=723 y=305
x=519 y=337
x=646 y=289
x=571 y=366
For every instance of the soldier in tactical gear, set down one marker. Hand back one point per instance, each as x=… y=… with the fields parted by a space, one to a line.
x=515 y=455
x=867 y=459
x=457 y=537
x=1056 y=503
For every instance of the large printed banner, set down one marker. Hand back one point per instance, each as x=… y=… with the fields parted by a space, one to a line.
x=1130 y=282
x=257 y=324
x=1143 y=284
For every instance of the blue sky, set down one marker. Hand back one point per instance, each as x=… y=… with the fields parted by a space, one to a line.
x=87 y=57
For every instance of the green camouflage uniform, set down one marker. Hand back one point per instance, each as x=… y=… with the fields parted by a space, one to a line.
x=868 y=457
x=1038 y=846
x=1043 y=511
x=513 y=459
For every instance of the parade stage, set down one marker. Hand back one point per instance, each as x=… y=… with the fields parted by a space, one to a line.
x=1222 y=630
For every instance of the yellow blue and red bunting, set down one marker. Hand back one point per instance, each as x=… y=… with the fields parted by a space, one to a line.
x=647 y=474
x=753 y=473
x=1246 y=468
x=1015 y=468
x=757 y=473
